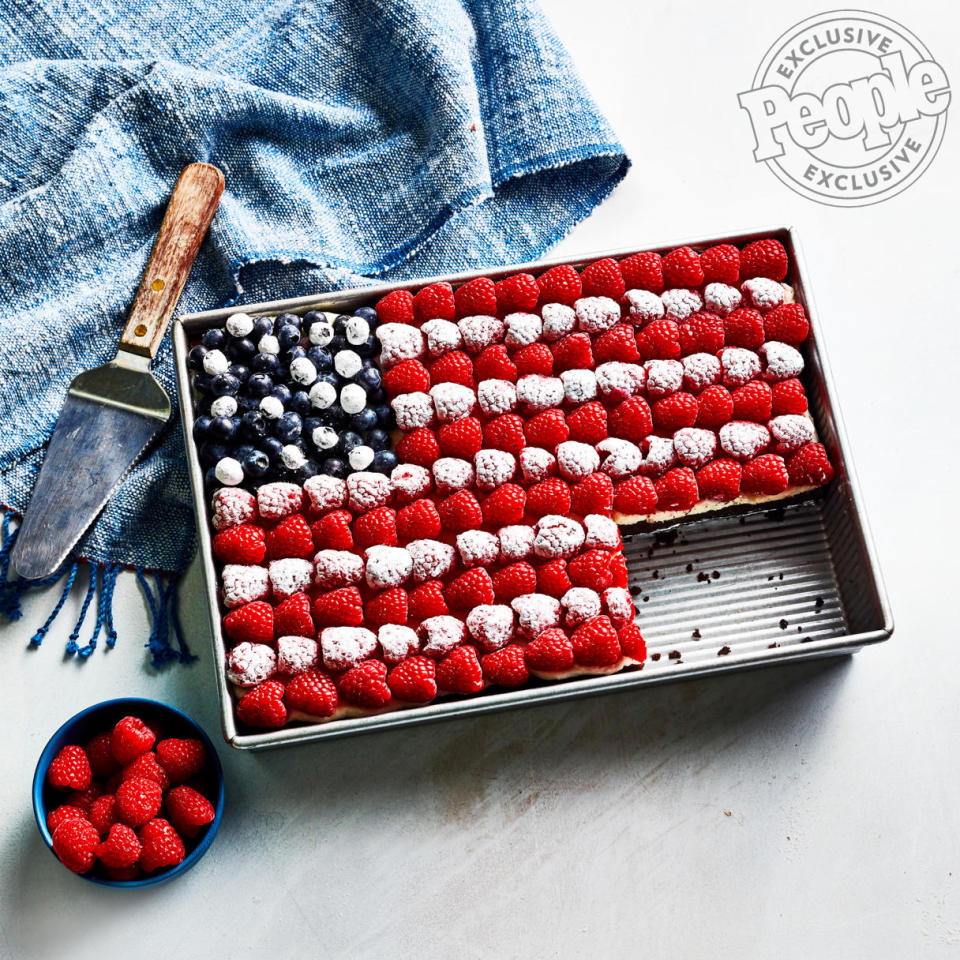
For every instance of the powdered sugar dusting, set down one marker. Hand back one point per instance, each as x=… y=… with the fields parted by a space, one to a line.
x=762 y=293
x=619 y=606
x=280 y=499
x=296 y=655
x=453 y=401
x=557 y=536
x=576 y=460
x=522 y=329
x=537 y=392
x=700 y=370
x=694 y=446
x=790 y=432
x=602 y=533
x=242 y=584
x=660 y=456
x=516 y=542
x=739 y=366
x=413 y=410
x=441 y=634
x=400 y=341
x=721 y=299
x=367 y=491
x=644 y=307
x=478 y=548
x=536 y=464
x=431 y=559
x=387 y=566
x=618 y=380
x=325 y=493
x=410 y=482
x=251 y=663
x=743 y=440
x=780 y=361
x=345 y=647
x=232 y=506
x=664 y=377
x=596 y=314
x=579 y=605
x=579 y=386
x=337 y=568
x=621 y=458
x=491 y=625
x=535 y=612
x=680 y=304
x=496 y=397
x=480 y=332
x=452 y=474
x=397 y=642
x=494 y=468
x=442 y=337
x=558 y=321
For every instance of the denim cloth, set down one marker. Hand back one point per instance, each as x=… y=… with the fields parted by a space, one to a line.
x=359 y=139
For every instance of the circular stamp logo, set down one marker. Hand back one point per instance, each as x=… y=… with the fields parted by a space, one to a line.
x=848 y=108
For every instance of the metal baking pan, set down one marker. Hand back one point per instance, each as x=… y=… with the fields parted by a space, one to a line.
x=714 y=595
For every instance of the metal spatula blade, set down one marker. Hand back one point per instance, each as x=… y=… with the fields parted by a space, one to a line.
x=114 y=411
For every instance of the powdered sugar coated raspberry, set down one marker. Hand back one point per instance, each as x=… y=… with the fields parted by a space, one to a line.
x=694 y=446
x=663 y=377
x=480 y=332
x=790 y=432
x=644 y=307
x=579 y=386
x=618 y=380
x=680 y=304
x=721 y=299
x=242 y=584
x=337 y=568
x=516 y=542
x=522 y=329
x=477 y=548
x=232 y=506
x=762 y=293
x=345 y=647
x=441 y=634
x=537 y=392
x=739 y=366
x=557 y=536
x=596 y=314
x=580 y=604
x=660 y=456
x=251 y=663
x=289 y=576
x=296 y=655
x=325 y=493
x=409 y=481
x=621 y=458
x=452 y=474
x=387 y=566
x=743 y=440
x=619 y=605
x=452 y=401
x=413 y=410
x=432 y=559
x=700 y=370
x=280 y=499
x=602 y=533
x=558 y=321
x=780 y=361
x=442 y=336
x=536 y=464
x=535 y=612
x=493 y=468
x=367 y=491
x=491 y=625
x=397 y=642
x=400 y=341
x=496 y=397
x=576 y=460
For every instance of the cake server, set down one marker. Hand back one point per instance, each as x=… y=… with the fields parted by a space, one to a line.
x=114 y=411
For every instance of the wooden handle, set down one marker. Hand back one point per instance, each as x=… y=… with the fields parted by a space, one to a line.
x=188 y=215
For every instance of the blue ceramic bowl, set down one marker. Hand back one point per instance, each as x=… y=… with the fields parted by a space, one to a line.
x=102 y=717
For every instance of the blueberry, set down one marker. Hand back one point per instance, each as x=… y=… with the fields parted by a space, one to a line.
x=202 y=383
x=222 y=428
x=238 y=370
x=384 y=461
x=212 y=453
x=334 y=467
x=294 y=353
x=224 y=385
x=332 y=417
x=253 y=425
x=368 y=363
x=214 y=339
x=288 y=335
x=368 y=314
x=288 y=319
x=377 y=397
x=385 y=417
x=246 y=403
x=204 y=402
x=340 y=325
x=265 y=363
x=348 y=441
x=321 y=358
x=363 y=421
x=261 y=327
x=330 y=377
x=338 y=343
x=210 y=478
x=195 y=357
x=271 y=446
x=369 y=379
x=288 y=427
x=201 y=427
x=255 y=464
x=310 y=318
x=310 y=424
x=259 y=384
x=305 y=471
x=243 y=451
x=368 y=347
x=378 y=439
x=242 y=349
x=282 y=392
x=300 y=403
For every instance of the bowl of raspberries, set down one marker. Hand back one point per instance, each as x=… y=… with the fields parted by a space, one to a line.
x=128 y=792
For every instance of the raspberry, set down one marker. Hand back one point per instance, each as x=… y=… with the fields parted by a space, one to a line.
x=714 y=407
x=146 y=766
x=590 y=569
x=589 y=423
x=635 y=496
x=241 y=544
x=744 y=328
x=138 y=800
x=460 y=512
x=75 y=842
x=766 y=474
x=120 y=849
x=291 y=537
x=263 y=706
x=546 y=430
x=603 y=279
x=721 y=264
x=462 y=438
x=376 y=527
x=493 y=468
x=788 y=397
x=408 y=376
x=701 y=333
x=552 y=578
x=504 y=506
x=62 y=814
x=790 y=432
x=342 y=607
x=396 y=307
x=677 y=489
x=419 y=447
x=617 y=343
x=534 y=358
x=251 y=663
x=659 y=340
x=550 y=652
x=763 y=258
x=743 y=440
x=130 y=737
x=631 y=419
x=100 y=756
x=682 y=268
x=103 y=814
x=579 y=605
x=426 y=601
x=417 y=521
x=643 y=271
x=573 y=352
x=453 y=367
x=494 y=363
x=365 y=685
x=434 y=302
x=333 y=531
x=618 y=570
x=506 y=667
x=414 y=680
x=514 y=580
x=595 y=643
x=548 y=496
x=390 y=606
x=780 y=361
x=70 y=769
x=632 y=644
x=787 y=323
x=810 y=465
x=278 y=500
x=560 y=285
x=460 y=671
x=753 y=401
x=673 y=412
x=593 y=494
x=161 y=845
x=231 y=506
x=188 y=809
x=517 y=294
x=313 y=693
x=505 y=433
x=477 y=297
x=719 y=480
x=469 y=590
x=181 y=758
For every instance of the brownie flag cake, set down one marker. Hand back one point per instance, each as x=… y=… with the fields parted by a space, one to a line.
x=424 y=499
